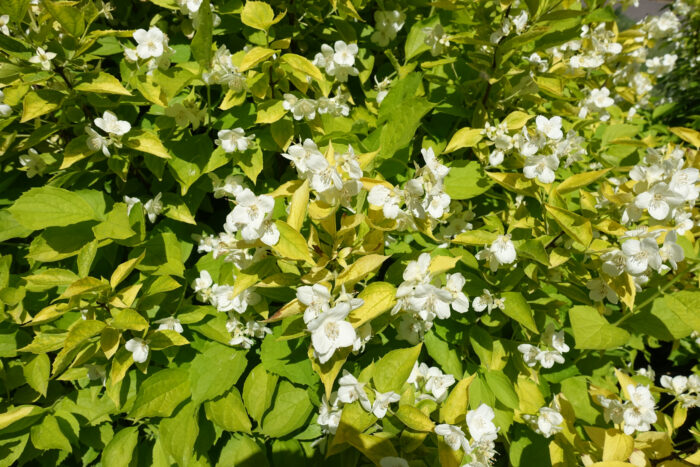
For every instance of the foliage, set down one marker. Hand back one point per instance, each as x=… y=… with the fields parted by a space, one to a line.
x=319 y=233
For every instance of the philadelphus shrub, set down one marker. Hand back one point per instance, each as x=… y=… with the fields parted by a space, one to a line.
x=452 y=233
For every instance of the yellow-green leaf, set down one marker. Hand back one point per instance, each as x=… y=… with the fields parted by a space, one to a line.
x=577 y=227
x=359 y=269
x=517 y=119
x=464 y=138
x=414 y=418
x=378 y=297
x=297 y=206
x=255 y=56
x=303 y=65
x=580 y=180
x=102 y=83
x=148 y=142
x=259 y=15
x=292 y=244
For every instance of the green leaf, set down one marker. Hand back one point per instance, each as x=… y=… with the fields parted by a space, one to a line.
x=126 y=318
x=120 y=449
x=577 y=227
x=465 y=138
x=146 y=141
x=517 y=308
x=10 y=228
x=201 y=44
x=116 y=224
x=207 y=384
x=287 y=358
x=258 y=389
x=48 y=435
x=302 y=65
x=179 y=433
x=592 y=331
x=49 y=206
x=394 y=368
x=242 y=451
x=502 y=387
x=259 y=15
x=254 y=57
x=228 y=412
x=290 y=411
x=414 y=418
x=40 y=102
x=378 y=298
x=71 y=18
x=466 y=180
x=292 y=244
x=686 y=305
x=101 y=83
x=25 y=414
x=161 y=393
x=37 y=371
x=445 y=355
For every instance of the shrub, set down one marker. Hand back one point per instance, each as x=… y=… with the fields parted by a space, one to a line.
x=347 y=233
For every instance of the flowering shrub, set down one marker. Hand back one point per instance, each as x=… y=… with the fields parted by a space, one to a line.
x=347 y=233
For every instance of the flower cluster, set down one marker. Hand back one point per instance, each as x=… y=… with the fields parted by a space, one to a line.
x=224 y=72
x=637 y=413
x=115 y=129
x=541 y=149
x=387 y=25
x=551 y=349
x=420 y=298
x=305 y=108
x=337 y=61
x=424 y=197
x=481 y=449
x=226 y=299
x=152 y=48
x=685 y=388
x=430 y=382
x=547 y=422
x=335 y=178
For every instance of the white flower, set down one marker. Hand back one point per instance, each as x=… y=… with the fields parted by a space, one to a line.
x=452 y=435
x=317 y=299
x=551 y=128
x=418 y=271
x=503 y=249
x=671 y=251
x=640 y=413
x=549 y=422
x=250 y=215
x=138 y=348
x=153 y=207
x=480 y=424
x=130 y=203
x=330 y=331
x=684 y=183
x=613 y=409
x=548 y=358
x=231 y=186
x=5 y=109
x=4 y=20
x=541 y=167
x=454 y=285
x=364 y=335
x=677 y=384
x=430 y=301
x=388 y=24
x=438 y=383
x=345 y=53
x=436 y=38
x=487 y=300
x=599 y=290
x=382 y=402
x=615 y=263
x=301 y=108
x=234 y=140
x=600 y=98
x=302 y=156
x=151 y=43
x=170 y=323
x=224 y=300
x=436 y=204
x=43 y=58
x=352 y=390
x=33 y=162
x=529 y=354
x=388 y=200
x=202 y=285
x=641 y=254
x=329 y=414
x=97 y=142
x=658 y=201
x=109 y=123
